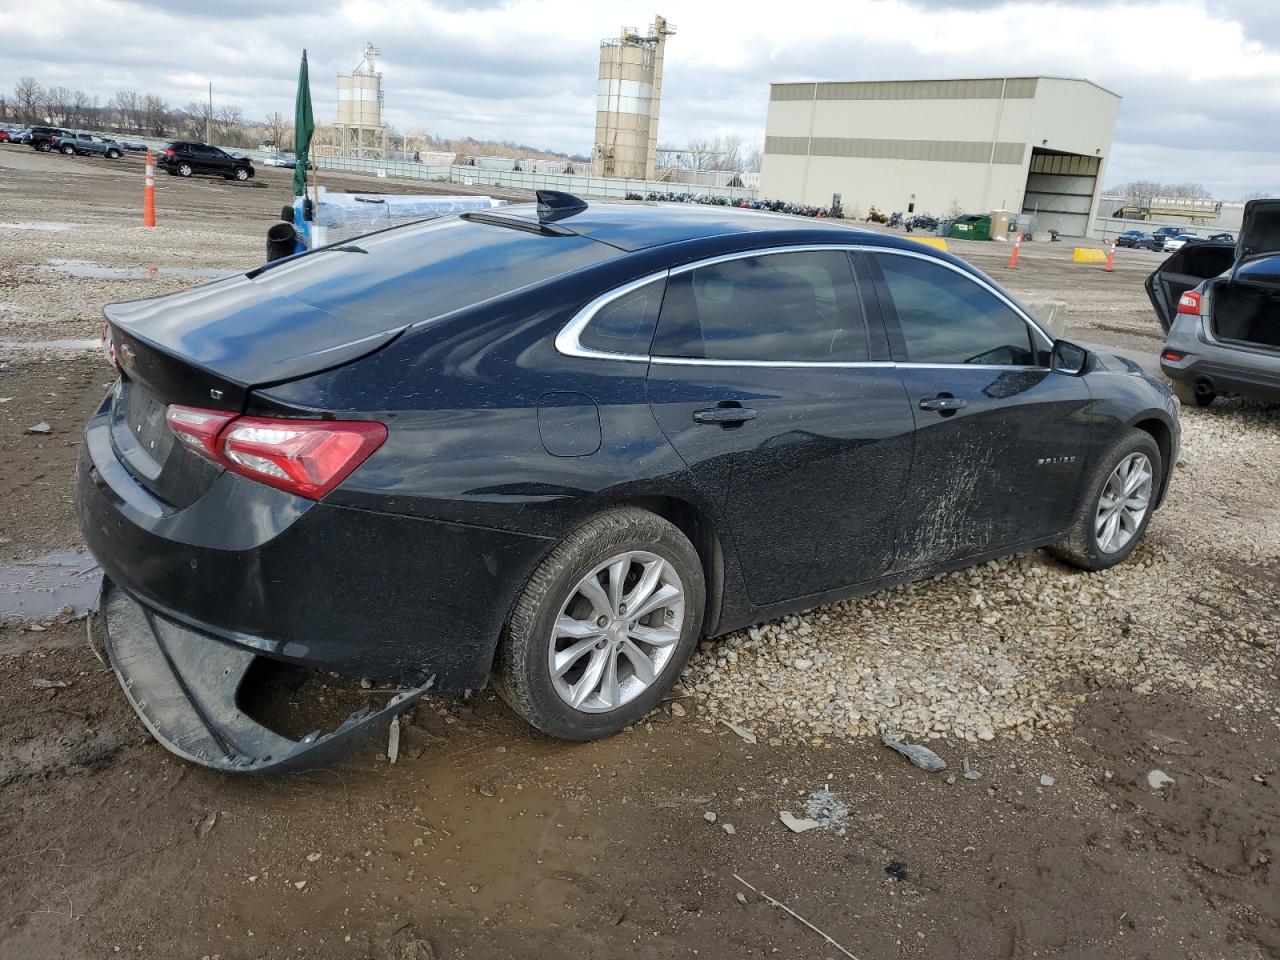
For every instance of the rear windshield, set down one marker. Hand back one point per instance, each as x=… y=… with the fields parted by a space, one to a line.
x=429 y=269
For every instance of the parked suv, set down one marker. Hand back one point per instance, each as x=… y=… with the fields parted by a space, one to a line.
x=1219 y=304
x=182 y=158
x=83 y=144
x=42 y=137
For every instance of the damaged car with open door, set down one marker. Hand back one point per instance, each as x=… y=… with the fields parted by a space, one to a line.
x=1219 y=304
x=558 y=444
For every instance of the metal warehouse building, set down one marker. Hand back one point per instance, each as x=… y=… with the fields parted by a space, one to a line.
x=1031 y=144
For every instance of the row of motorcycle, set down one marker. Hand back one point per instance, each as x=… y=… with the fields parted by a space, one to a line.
x=775 y=206
x=920 y=221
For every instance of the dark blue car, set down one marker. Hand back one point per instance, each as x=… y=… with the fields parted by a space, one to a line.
x=556 y=445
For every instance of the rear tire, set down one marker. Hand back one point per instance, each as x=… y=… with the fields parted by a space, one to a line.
x=1095 y=542
x=609 y=671
x=43 y=147
x=184 y=170
x=68 y=150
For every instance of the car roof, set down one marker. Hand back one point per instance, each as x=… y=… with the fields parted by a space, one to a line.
x=639 y=225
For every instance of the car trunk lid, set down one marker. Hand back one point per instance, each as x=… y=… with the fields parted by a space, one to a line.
x=1259 y=230
x=209 y=347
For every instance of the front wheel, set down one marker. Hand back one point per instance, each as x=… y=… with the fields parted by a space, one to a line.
x=43 y=147
x=604 y=626
x=113 y=154
x=242 y=174
x=1119 y=495
x=184 y=170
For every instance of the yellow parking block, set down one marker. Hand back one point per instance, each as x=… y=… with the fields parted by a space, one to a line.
x=938 y=243
x=1089 y=255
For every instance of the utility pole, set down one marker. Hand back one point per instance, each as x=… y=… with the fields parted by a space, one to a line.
x=208 y=118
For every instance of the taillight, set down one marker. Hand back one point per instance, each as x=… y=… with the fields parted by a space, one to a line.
x=306 y=457
x=1189 y=302
x=1172 y=355
x=197 y=429
x=109 y=347
x=171 y=153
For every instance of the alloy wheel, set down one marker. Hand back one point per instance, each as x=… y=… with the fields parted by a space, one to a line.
x=616 y=631
x=1123 y=503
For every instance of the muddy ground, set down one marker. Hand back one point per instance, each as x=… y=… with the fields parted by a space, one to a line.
x=486 y=840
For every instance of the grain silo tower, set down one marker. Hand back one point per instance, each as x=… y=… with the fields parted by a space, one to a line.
x=627 y=102
x=361 y=134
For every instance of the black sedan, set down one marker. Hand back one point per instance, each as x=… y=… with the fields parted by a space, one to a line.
x=1133 y=238
x=559 y=444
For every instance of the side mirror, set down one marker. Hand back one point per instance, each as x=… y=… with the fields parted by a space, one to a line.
x=1069 y=358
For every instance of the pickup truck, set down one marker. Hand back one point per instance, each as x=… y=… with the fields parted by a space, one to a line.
x=84 y=144
x=42 y=137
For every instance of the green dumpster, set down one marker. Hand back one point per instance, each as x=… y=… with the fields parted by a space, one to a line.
x=971 y=226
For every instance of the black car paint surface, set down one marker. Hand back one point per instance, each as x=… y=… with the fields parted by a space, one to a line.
x=500 y=442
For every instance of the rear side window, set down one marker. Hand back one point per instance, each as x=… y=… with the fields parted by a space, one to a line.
x=944 y=317
x=783 y=307
x=626 y=325
x=427 y=269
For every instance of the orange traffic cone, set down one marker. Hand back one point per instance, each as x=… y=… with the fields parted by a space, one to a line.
x=1013 y=257
x=1111 y=256
x=149 y=194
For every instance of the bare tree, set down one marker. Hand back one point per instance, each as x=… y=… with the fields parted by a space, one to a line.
x=155 y=115
x=279 y=129
x=194 y=119
x=1146 y=189
x=79 y=107
x=129 y=108
x=57 y=101
x=753 y=158
x=28 y=96
x=1256 y=195
x=731 y=158
x=226 y=123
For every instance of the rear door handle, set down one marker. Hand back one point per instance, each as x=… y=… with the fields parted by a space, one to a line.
x=724 y=415
x=942 y=404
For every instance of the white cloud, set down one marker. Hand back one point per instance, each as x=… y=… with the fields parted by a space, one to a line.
x=1200 y=78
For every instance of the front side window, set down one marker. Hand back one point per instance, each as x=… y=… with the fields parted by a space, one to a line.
x=944 y=317
x=626 y=324
x=782 y=307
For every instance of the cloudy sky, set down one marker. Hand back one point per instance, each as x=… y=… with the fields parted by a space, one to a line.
x=1200 y=78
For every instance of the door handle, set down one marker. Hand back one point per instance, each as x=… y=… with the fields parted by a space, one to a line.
x=725 y=415
x=943 y=403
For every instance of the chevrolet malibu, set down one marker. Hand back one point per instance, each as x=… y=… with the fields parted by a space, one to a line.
x=554 y=445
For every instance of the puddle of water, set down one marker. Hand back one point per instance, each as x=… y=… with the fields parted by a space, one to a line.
x=50 y=226
x=86 y=268
x=35 y=589
x=37 y=345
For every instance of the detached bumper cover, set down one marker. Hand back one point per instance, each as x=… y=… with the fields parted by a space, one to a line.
x=183 y=685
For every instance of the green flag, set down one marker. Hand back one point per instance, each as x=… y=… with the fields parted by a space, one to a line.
x=304 y=125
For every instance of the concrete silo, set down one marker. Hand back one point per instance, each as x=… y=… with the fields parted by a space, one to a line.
x=627 y=99
x=361 y=132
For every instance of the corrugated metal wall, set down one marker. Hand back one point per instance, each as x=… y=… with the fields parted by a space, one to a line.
x=949 y=151
x=1015 y=88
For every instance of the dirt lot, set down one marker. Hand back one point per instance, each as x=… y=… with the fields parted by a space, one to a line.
x=1065 y=691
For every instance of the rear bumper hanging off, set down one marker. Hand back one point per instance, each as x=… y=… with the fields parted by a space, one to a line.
x=183 y=685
